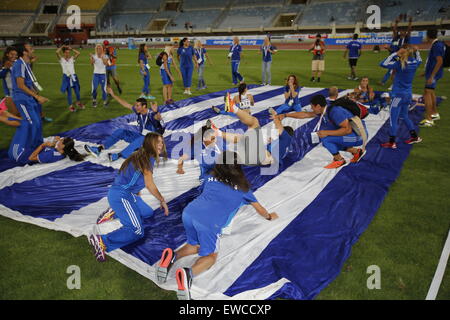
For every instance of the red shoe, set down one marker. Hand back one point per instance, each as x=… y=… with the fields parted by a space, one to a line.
x=335 y=164
x=81 y=106
x=413 y=140
x=184 y=282
x=164 y=265
x=389 y=145
x=72 y=109
x=358 y=156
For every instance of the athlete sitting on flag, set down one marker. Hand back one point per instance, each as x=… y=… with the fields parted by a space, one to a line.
x=250 y=145
x=224 y=191
x=148 y=121
x=243 y=99
x=338 y=135
x=135 y=174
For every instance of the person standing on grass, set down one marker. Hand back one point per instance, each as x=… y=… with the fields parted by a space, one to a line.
x=148 y=121
x=318 y=61
x=235 y=55
x=186 y=57
x=111 y=69
x=434 y=71
x=143 y=57
x=224 y=191
x=167 y=78
x=28 y=101
x=70 y=79
x=267 y=50
x=405 y=63
x=354 y=52
x=99 y=60
x=202 y=56
x=135 y=174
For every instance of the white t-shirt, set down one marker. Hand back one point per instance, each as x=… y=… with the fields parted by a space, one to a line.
x=245 y=102
x=68 y=66
x=99 y=66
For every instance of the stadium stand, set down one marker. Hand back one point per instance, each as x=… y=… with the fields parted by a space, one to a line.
x=199 y=19
x=133 y=5
x=249 y=17
x=323 y=13
x=88 y=5
x=205 y=4
x=419 y=10
x=19 y=6
x=128 y=22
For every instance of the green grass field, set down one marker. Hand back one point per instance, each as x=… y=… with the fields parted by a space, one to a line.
x=405 y=238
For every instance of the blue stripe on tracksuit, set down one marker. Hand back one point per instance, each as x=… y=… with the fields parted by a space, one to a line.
x=69 y=82
x=130 y=209
x=134 y=138
x=400 y=108
x=235 y=71
x=29 y=134
x=99 y=79
x=146 y=78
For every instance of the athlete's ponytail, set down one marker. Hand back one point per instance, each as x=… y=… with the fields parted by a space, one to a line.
x=404 y=55
x=70 y=151
x=242 y=88
x=230 y=173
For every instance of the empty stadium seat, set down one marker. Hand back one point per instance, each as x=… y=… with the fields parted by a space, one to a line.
x=88 y=5
x=122 y=5
x=200 y=19
x=249 y=17
x=21 y=6
x=204 y=4
x=320 y=13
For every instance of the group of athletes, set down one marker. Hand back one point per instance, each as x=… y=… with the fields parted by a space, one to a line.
x=221 y=155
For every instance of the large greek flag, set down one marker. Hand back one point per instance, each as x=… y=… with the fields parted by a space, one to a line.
x=322 y=212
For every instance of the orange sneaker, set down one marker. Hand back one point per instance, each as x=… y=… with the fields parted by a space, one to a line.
x=229 y=104
x=335 y=164
x=164 y=265
x=358 y=156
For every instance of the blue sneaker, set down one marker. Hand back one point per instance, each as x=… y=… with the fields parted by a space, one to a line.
x=113 y=156
x=95 y=151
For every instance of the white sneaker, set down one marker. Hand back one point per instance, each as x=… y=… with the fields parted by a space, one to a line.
x=426 y=123
x=435 y=117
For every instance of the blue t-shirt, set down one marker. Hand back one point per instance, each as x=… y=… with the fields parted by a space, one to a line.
x=143 y=57
x=19 y=70
x=200 y=53
x=354 y=48
x=131 y=179
x=146 y=121
x=49 y=155
x=208 y=156
x=266 y=55
x=236 y=50
x=437 y=50
x=5 y=75
x=332 y=119
x=283 y=143
x=296 y=99
x=216 y=203
x=403 y=77
x=186 y=55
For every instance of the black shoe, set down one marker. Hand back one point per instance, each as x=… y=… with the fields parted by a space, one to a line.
x=318 y=79
x=312 y=79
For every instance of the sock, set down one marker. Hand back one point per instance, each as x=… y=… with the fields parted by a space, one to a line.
x=100 y=148
x=392 y=139
x=413 y=134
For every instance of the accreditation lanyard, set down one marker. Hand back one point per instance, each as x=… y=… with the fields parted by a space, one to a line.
x=317 y=127
x=31 y=74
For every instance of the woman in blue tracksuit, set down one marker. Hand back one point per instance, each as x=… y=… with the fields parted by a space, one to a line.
x=234 y=55
x=9 y=57
x=186 y=56
x=405 y=63
x=291 y=95
x=224 y=191
x=47 y=152
x=135 y=174
x=143 y=57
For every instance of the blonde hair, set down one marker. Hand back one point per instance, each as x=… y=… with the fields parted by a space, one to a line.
x=197 y=44
x=405 y=55
x=168 y=50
